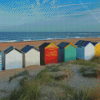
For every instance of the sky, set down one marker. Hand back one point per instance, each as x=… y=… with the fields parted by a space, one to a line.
x=49 y=15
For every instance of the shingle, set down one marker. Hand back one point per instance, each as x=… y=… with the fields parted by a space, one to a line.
x=78 y=43
x=82 y=43
x=27 y=48
x=63 y=44
x=44 y=45
x=9 y=49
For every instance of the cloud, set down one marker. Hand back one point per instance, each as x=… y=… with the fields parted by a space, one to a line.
x=35 y=15
x=69 y=5
x=53 y=2
x=45 y=1
x=38 y=2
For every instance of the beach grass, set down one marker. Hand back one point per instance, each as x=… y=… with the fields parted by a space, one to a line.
x=85 y=63
x=29 y=91
x=96 y=59
x=48 y=77
x=23 y=73
x=43 y=77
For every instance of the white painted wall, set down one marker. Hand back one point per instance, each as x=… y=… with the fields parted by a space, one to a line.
x=89 y=51
x=32 y=57
x=13 y=60
x=80 y=52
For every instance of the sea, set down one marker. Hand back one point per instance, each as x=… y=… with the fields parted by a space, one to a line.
x=35 y=36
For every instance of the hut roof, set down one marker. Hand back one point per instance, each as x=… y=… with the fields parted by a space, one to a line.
x=27 y=48
x=82 y=43
x=11 y=48
x=44 y=45
x=63 y=44
x=94 y=43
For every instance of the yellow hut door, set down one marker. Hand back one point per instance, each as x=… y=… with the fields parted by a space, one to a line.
x=97 y=50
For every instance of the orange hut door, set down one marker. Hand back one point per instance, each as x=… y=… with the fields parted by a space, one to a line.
x=51 y=54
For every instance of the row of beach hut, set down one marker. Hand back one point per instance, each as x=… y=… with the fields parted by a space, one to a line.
x=48 y=53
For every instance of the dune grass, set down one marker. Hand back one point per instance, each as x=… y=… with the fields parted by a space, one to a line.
x=72 y=93
x=23 y=73
x=23 y=80
x=85 y=63
x=29 y=91
x=5 y=98
x=88 y=71
x=48 y=77
x=96 y=59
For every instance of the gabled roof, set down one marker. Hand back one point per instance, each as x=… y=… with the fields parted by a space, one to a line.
x=82 y=43
x=94 y=43
x=27 y=48
x=44 y=45
x=11 y=48
x=63 y=44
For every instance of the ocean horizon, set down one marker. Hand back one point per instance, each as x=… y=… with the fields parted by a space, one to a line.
x=34 y=36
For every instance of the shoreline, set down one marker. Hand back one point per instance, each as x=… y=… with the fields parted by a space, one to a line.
x=37 y=43
x=46 y=39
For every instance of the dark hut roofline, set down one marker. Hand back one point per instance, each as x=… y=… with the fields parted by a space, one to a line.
x=82 y=43
x=11 y=48
x=44 y=45
x=27 y=48
x=63 y=44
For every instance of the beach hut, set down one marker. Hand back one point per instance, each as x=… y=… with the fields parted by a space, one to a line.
x=48 y=53
x=31 y=55
x=97 y=48
x=67 y=52
x=13 y=58
x=0 y=60
x=85 y=49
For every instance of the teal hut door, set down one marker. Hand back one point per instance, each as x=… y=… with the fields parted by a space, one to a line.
x=69 y=53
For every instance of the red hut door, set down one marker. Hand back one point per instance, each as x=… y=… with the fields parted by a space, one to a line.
x=51 y=54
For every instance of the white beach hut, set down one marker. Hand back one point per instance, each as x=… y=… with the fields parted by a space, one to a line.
x=31 y=55
x=13 y=58
x=85 y=50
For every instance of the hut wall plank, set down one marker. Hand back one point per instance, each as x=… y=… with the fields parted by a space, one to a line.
x=89 y=51
x=70 y=53
x=97 y=50
x=80 y=52
x=32 y=58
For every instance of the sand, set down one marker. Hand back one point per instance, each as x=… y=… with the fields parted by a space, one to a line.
x=20 y=45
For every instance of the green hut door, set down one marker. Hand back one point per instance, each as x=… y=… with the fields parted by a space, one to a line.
x=73 y=53
x=69 y=53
